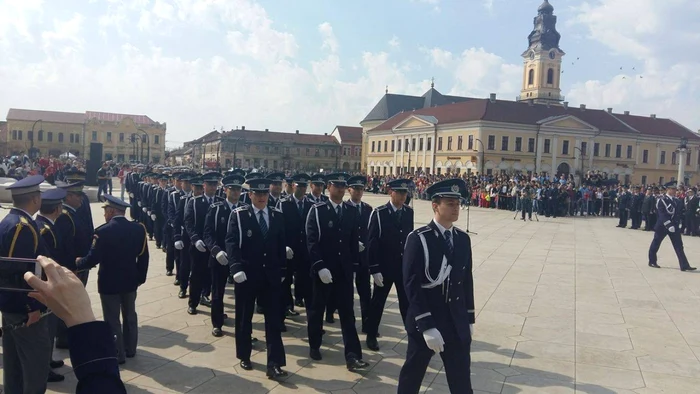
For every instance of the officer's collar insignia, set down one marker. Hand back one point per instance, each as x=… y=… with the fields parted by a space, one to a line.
x=330 y=224
x=455 y=188
x=404 y=185
x=249 y=233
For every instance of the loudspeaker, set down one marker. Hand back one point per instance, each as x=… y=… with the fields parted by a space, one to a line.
x=93 y=164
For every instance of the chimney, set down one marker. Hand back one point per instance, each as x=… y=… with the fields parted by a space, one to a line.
x=566 y=104
x=610 y=110
x=531 y=102
x=267 y=129
x=627 y=112
x=325 y=133
x=297 y=131
x=492 y=97
x=242 y=127
x=653 y=116
x=583 y=107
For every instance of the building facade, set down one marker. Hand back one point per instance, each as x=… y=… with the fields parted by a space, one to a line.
x=537 y=133
x=44 y=133
x=350 y=140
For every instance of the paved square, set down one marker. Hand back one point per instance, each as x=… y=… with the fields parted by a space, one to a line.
x=564 y=305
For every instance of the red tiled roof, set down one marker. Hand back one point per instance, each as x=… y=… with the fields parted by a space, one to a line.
x=276 y=136
x=45 y=116
x=657 y=126
x=350 y=134
x=110 y=117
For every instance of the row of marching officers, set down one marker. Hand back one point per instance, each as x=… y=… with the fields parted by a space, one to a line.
x=268 y=241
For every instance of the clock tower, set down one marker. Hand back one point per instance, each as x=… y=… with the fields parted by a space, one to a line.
x=542 y=59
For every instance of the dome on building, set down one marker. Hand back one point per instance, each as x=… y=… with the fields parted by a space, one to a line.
x=545 y=8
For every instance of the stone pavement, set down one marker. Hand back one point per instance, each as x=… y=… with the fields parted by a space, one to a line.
x=564 y=305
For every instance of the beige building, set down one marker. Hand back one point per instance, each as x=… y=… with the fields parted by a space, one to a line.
x=538 y=133
x=43 y=133
x=350 y=140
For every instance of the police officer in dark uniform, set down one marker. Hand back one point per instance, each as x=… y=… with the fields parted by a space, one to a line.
x=440 y=293
x=636 y=208
x=318 y=182
x=248 y=178
x=275 y=188
x=130 y=183
x=256 y=249
x=120 y=247
x=331 y=237
x=173 y=255
x=668 y=223
x=182 y=238
x=389 y=225
x=168 y=211
x=84 y=213
x=195 y=215
x=157 y=216
x=356 y=188
x=215 y=227
x=288 y=187
x=26 y=350
x=624 y=202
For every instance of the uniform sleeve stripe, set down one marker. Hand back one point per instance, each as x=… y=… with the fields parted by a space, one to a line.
x=423 y=316
x=666 y=223
x=316 y=263
x=471 y=310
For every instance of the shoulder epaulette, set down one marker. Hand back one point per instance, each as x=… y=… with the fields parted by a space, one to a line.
x=240 y=209
x=276 y=210
x=407 y=207
x=24 y=220
x=459 y=229
x=381 y=207
x=423 y=229
x=320 y=204
x=183 y=197
x=368 y=206
x=217 y=204
x=100 y=226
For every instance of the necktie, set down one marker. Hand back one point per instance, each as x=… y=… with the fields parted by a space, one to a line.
x=339 y=212
x=359 y=209
x=448 y=242
x=399 y=212
x=209 y=200
x=300 y=207
x=263 y=224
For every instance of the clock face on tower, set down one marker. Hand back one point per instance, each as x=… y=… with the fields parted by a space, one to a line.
x=552 y=55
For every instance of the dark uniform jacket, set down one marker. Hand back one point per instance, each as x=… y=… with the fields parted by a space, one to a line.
x=73 y=238
x=120 y=247
x=215 y=227
x=321 y=198
x=180 y=234
x=386 y=239
x=261 y=258
x=449 y=306
x=332 y=242
x=195 y=213
x=669 y=212
x=295 y=226
x=364 y=211
x=94 y=355
x=48 y=234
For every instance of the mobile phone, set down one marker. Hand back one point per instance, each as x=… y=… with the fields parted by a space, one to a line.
x=12 y=273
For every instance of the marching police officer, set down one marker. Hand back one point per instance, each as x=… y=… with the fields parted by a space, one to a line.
x=275 y=188
x=120 y=247
x=195 y=215
x=331 y=237
x=215 y=227
x=182 y=238
x=318 y=182
x=356 y=185
x=440 y=293
x=256 y=249
x=84 y=213
x=389 y=225
x=169 y=210
x=26 y=350
x=248 y=178
x=668 y=223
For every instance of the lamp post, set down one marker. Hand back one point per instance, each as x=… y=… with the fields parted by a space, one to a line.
x=147 y=139
x=682 y=150
x=31 y=140
x=235 y=149
x=583 y=155
x=482 y=155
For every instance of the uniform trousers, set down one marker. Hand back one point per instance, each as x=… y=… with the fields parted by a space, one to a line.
x=364 y=291
x=149 y=224
x=200 y=278
x=302 y=282
x=270 y=293
x=185 y=265
x=171 y=255
x=126 y=329
x=219 y=274
x=158 y=232
x=376 y=306
x=60 y=331
x=624 y=215
x=26 y=353
x=342 y=291
x=677 y=243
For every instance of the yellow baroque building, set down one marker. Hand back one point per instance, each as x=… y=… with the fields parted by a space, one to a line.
x=540 y=132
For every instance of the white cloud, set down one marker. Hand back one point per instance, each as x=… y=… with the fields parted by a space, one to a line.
x=66 y=35
x=395 y=42
x=434 y=3
x=330 y=42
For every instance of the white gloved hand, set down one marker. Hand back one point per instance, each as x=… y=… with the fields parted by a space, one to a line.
x=240 y=277
x=139 y=203
x=200 y=246
x=222 y=258
x=434 y=340
x=378 y=279
x=179 y=245
x=282 y=281
x=671 y=229
x=131 y=195
x=144 y=209
x=153 y=216
x=290 y=253
x=471 y=330
x=362 y=246
x=325 y=276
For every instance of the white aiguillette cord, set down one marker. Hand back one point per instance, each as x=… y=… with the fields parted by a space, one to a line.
x=444 y=273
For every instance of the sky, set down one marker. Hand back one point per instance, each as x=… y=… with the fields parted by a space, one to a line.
x=310 y=65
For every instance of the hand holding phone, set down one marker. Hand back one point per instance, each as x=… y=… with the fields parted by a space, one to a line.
x=12 y=273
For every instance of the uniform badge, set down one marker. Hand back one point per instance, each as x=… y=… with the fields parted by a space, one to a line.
x=94 y=240
x=249 y=233
x=223 y=220
x=330 y=224
x=404 y=185
x=455 y=188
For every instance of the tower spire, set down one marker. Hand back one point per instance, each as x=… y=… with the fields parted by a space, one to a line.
x=432 y=82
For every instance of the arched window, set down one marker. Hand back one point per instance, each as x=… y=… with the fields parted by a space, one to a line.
x=531 y=77
x=550 y=76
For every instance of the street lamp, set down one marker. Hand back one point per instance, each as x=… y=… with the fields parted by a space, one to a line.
x=682 y=150
x=482 y=155
x=146 y=138
x=31 y=140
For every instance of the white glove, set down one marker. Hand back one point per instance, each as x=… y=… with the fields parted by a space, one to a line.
x=139 y=202
x=200 y=246
x=671 y=229
x=290 y=253
x=131 y=195
x=222 y=258
x=434 y=340
x=240 y=277
x=153 y=216
x=325 y=276
x=179 y=245
x=144 y=209
x=378 y=279
x=282 y=281
x=362 y=246
x=471 y=330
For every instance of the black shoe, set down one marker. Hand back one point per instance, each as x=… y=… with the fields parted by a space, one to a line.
x=688 y=269
x=315 y=354
x=245 y=364
x=121 y=362
x=356 y=365
x=130 y=355
x=55 y=377
x=192 y=311
x=177 y=282
x=259 y=310
x=204 y=300
x=283 y=328
x=217 y=332
x=230 y=279
x=330 y=319
x=225 y=316
x=372 y=344
x=182 y=294
x=291 y=312
x=253 y=340
x=299 y=303
x=654 y=265
x=56 y=364
x=276 y=373
x=169 y=273
x=323 y=332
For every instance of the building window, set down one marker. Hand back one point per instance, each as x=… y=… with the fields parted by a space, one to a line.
x=72 y=138
x=393 y=145
x=385 y=146
x=109 y=136
x=108 y=156
x=518 y=144
x=596 y=149
x=398 y=145
x=94 y=135
x=14 y=134
x=618 y=151
x=156 y=139
x=308 y=152
x=459 y=142
x=530 y=145
x=645 y=156
x=449 y=143
x=156 y=159
x=547 y=145
x=644 y=179
x=565 y=148
x=372 y=147
x=30 y=135
x=121 y=139
x=584 y=148
x=607 y=150
x=120 y=158
x=41 y=135
x=550 y=76
x=492 y=142
x=439 y=147
x=413 y=144
x=661 y=180
x=663 y=157
x=531 y=77
x=77 y=138
x=629 y=151
x=420 y=144
x=430 y=143
x=406 y=147
x=687 y=159
x=49 y=136
x=673 y=158
x=470 y=142
x=317 y=153
x=504 y=143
